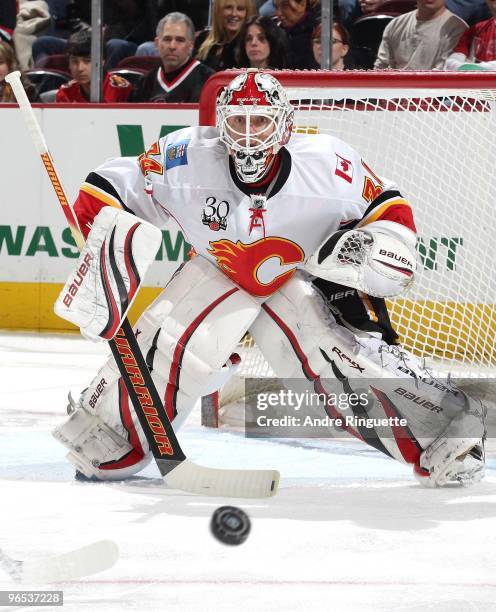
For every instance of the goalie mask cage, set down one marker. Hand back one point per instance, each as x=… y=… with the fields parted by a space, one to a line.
x=434 y=135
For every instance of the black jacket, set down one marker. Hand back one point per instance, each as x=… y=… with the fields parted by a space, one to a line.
x=220 y=57
x=183 y=85
x=300 y=54
x=8 y=12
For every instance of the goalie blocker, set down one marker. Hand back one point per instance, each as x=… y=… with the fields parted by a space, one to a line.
x=108 y=274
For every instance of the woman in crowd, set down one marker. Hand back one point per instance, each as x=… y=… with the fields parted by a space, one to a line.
x=8 y=63
x=340 y=46
x=262 y=44
x=217 y=50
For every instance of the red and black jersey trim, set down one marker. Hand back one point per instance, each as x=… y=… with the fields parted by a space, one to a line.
x=388 y=206
x=8 y=13
x=6 y=34
x=106 y=186
x=390 y=195
x=170 y=80
x=381 y=198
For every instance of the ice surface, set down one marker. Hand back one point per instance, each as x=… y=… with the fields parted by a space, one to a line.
x=349 y=529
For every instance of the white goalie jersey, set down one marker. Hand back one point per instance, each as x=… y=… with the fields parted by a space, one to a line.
x=256 y=243
x=257 y=240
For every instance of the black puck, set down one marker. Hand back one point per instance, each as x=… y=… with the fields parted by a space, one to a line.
x=230 y=525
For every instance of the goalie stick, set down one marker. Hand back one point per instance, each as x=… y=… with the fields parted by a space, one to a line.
x=177 y=471
x=77 y=563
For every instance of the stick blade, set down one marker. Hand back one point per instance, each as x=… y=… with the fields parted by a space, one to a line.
x=214 y=482
x=84 y=561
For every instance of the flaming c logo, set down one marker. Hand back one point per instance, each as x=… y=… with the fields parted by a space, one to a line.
x=243 y=262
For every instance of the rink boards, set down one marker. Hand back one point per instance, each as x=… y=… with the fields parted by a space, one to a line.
x=37 y=252
x=36 y=248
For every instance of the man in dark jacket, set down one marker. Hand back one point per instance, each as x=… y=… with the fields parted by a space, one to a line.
x=179 y=78
x=470 y=11
x=298 y=19
x=8 y=12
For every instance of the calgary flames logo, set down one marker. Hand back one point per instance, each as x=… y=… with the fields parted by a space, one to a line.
x=258 y=267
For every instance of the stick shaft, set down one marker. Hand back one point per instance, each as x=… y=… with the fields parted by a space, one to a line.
x=172 y=463
x=125 y=349
x=14 y=80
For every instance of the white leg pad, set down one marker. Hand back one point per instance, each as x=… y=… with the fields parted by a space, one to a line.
x=187 y=335
x=299 y=338
x=312 y=331
x=200 y=317
x=93 y=443
x=457 y=455
x=449 y=460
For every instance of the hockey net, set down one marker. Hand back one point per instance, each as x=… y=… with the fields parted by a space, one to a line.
x=433 y=134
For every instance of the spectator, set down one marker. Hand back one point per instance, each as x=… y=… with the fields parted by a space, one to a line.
x=340 y=46
x=127 y=24
x=367 y=30
x=349 y=11
x=477 y=45
x=217 y=50
x=421 y=39
x=180 y=78
x=197 y=11
x=298 y=18
x=471 y=11
x=115 y=88
x=262 y=44
x=8 y=63
x=367 y=7
x=344 y=11
x=33 y=20
x=266 y=8
x=8 y=12
x=385 y=7
x=58 y=13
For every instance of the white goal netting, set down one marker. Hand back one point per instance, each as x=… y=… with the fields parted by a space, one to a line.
x=438 y=145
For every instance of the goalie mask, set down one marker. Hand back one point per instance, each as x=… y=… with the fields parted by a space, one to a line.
x=255 y=119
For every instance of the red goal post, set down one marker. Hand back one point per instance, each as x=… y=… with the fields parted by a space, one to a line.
x=315 y=79
x=433 y=133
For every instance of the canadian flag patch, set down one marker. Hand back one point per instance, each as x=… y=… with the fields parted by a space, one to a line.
x=344 y=168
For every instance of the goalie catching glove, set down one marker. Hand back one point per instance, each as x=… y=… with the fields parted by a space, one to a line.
x=108 y=274
x=376 y=260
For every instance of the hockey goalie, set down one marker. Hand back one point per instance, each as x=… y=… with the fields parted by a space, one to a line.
x=280 y=223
